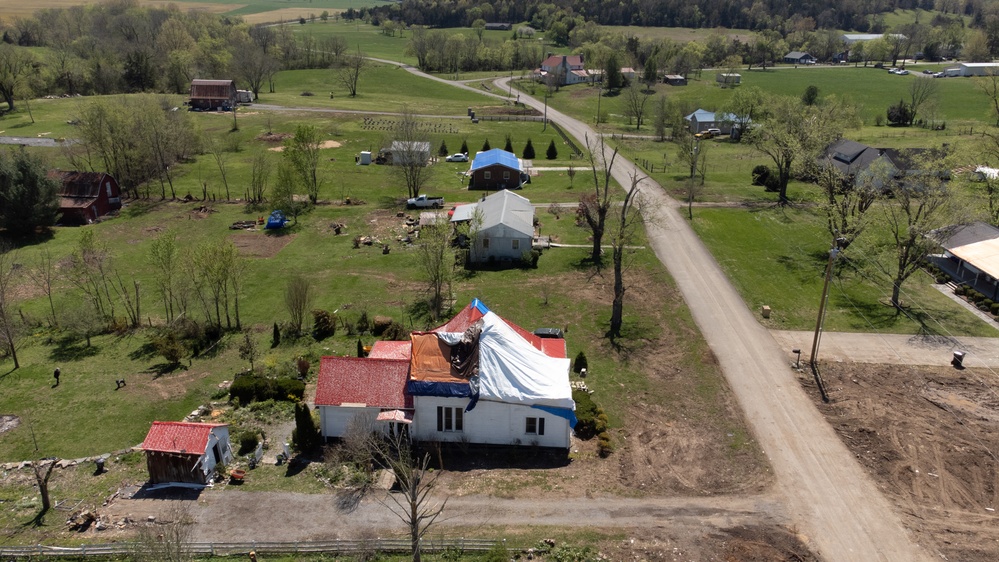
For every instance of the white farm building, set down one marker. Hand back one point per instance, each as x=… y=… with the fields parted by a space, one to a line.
x=478 y=379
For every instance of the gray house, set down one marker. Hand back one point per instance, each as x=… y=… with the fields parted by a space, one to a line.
x=506 y=230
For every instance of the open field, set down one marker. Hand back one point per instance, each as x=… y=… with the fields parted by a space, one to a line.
x=253 y=11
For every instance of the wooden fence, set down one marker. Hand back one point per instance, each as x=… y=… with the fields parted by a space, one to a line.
x=334 y=547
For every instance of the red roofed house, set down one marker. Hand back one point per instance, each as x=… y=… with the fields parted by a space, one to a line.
x=185 y=451
x=564 y=69
x=84 y=197
x=209 y=95
x=372 y=388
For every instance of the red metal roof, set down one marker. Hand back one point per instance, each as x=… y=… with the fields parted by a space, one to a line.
x=552 y=347
x=384 y=349
x=379 y=383
x=179 y=437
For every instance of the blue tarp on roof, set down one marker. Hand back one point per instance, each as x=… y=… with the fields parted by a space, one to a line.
x=432 y=388
x=476 y=303
x=496 y=156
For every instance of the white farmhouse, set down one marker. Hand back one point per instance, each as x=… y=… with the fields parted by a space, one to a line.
x=478 y=379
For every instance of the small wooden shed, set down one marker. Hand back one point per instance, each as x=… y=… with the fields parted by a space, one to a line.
x=186 y=452
x=84 y=197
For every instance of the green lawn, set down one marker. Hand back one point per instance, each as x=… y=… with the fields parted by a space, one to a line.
x=777 y=257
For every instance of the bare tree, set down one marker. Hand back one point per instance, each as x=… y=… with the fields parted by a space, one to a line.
x=436 y=256
x=848 y=200
x=260 y=172
x=989 y=85
x=8 y=320
x=416 y=508
x=298 y=301
x=594 y=206
x=349 y=72
x=635 y=100
x=302 y=151
x=922 y=91
x=45 y=275
x=990 y=150
x=410 y=152
x=221 y=157
x=918 y=203
x=43 y=472
x=623 y=233
x=165 y=540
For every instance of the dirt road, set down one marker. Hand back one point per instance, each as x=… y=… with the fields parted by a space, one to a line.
x=829 y=496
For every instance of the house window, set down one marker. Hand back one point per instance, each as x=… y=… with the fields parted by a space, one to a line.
x=515 y=243
x=535 y=426
x=108 y=186
x=506 y=175
x=485 y=243
x=487 y=175
x=449 y=419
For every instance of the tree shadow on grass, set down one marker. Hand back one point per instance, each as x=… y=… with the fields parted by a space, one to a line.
x=72 y=350
x=144 y=351
x=38 y=520
x=160 y=369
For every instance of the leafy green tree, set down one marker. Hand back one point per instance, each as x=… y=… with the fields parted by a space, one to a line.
x=248 y=348
x=552 y=152
x=613 y=79
x=302 y=151
x=29 y=199
x=811 y=95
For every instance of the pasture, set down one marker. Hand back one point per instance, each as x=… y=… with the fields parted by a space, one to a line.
x=253 y=11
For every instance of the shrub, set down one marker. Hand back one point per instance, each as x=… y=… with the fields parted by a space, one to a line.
x=509 y=145
x=985 y=304
x=960 y=290
x=995 y=309
x=552 y=152
x=604 y=445
x=248 y=442
x=485 y=146
x=302 y=366
x=306 y=435
x=900 y=114
x=579 y=363
x=464 y=147
x=323 y=324
x=587 y=412
x=395 y=332
x=167 y=344
x=248 y=389
x=529 y=259
x=276 y=336
x=442 y=151
x=363 y=324
x=529 y=150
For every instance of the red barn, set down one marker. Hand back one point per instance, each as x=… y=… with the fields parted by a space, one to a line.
x=86 y=196
x=208 y=95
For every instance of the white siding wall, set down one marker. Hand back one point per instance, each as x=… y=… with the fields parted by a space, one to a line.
x=333 y=420
x=493 y=423
x=501 y=244
x=220 y=436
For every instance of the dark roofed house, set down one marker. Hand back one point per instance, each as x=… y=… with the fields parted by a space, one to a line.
x=84 y=197
x=799 y=57
x=499 y=26
x=675 y=80
x=209 y=95
x=185 y=452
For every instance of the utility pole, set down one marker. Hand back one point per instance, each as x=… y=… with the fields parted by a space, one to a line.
x=600 y=91
x=545 y=128
x=838 y=244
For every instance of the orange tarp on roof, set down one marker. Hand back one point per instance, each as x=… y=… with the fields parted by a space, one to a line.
x=431 y=360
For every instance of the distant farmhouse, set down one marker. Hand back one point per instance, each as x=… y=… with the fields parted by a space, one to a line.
x=702 y=120
x=212 y=95
x=799 y=57
x=563 y=69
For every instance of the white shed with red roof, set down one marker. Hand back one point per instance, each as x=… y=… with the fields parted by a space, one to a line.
x=185 y=451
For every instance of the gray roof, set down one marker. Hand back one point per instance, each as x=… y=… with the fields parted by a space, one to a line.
x=957 y=235
x=509 y=210
x=850 y=157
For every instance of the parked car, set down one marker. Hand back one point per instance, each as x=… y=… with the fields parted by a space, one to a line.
x=714 y=132
x=457 y=157
x=903 y=72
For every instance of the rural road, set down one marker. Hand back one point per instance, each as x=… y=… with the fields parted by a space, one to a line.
x=828 y=495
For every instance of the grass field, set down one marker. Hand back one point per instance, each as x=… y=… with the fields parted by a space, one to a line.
x=253 y=11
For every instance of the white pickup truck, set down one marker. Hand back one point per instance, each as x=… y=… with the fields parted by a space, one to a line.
x=425 y=202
